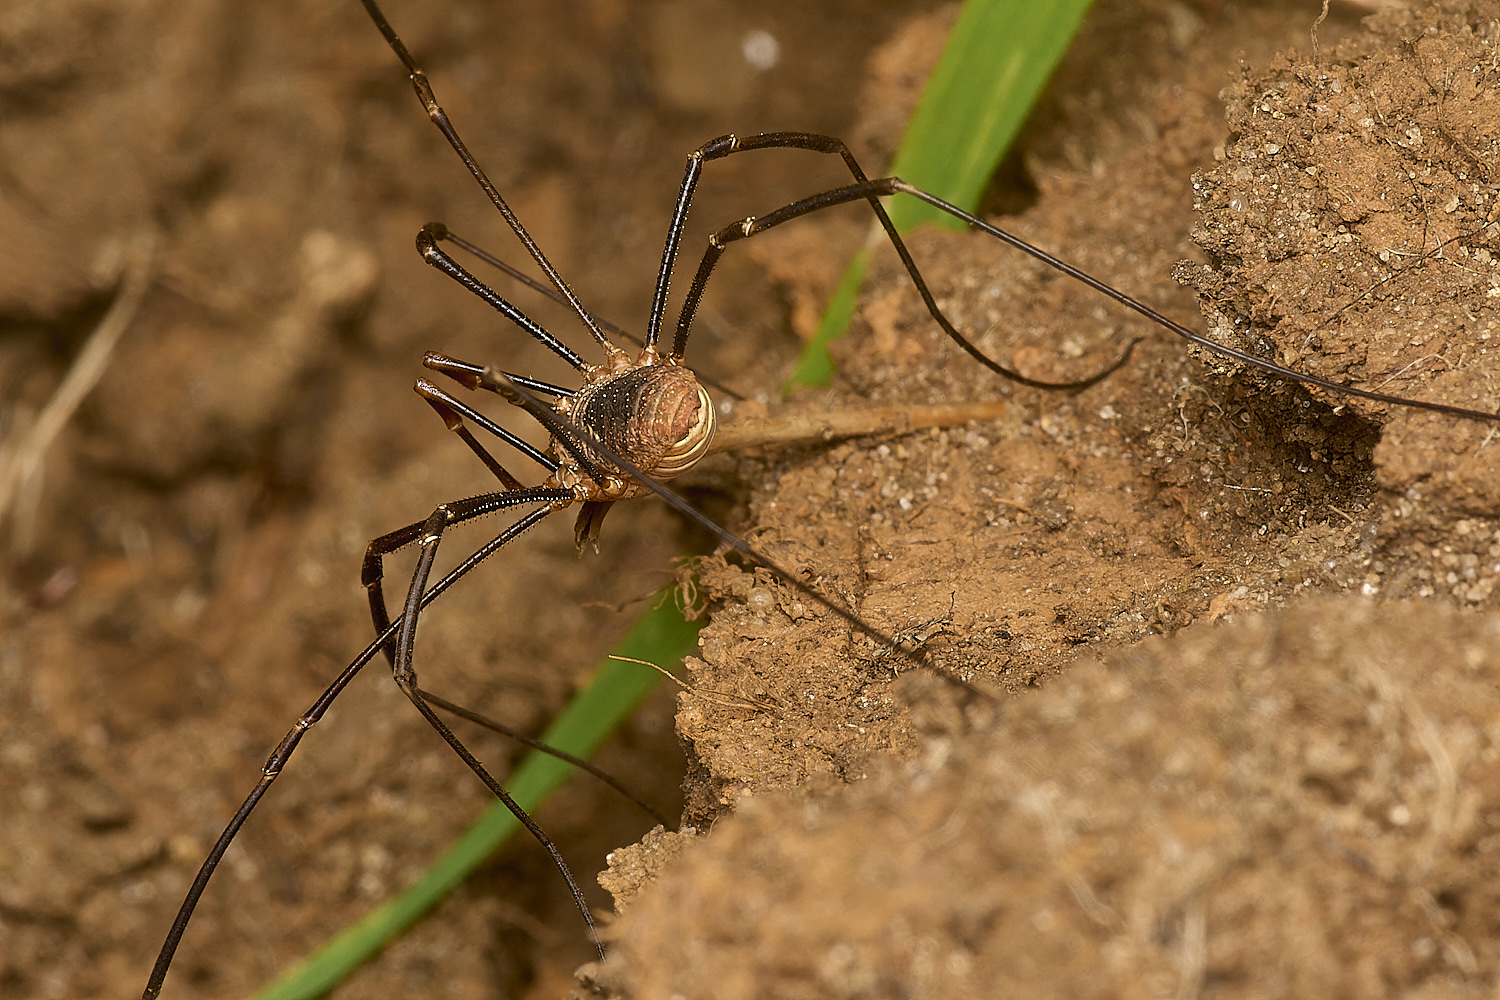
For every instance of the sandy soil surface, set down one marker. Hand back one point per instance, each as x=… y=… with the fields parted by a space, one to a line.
x=182 y=578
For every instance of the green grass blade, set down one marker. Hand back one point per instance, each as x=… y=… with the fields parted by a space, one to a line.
x=816 y=367
x=660 y=636
x=996 y=62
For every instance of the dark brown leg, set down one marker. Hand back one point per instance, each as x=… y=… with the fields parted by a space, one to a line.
x=868 y=191
x=440 y=119
x=441 y=232
x=406 y=678
x=438 y=258
x=372 y=570
x=288 y=745
x=715 y=149
x=453 y=413
x=499 y=727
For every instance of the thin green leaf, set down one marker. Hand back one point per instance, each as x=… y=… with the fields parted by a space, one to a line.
x=816 y=366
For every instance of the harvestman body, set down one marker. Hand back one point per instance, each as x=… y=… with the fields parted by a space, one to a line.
x=635 y=420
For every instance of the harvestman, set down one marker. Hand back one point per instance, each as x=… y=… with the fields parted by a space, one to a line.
x=635 y=421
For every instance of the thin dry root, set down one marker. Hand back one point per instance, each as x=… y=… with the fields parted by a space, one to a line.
x=721 y=698
x=810 y=428
x=25 y=448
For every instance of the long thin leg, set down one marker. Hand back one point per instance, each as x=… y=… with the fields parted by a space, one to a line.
x=434 y=255
x=440 y=119
x=441 y=232
x=744 y=229
x=871 y=191
x=546 y=748
x=894 y=185
x=289 y=742
x=468 y=376
x=406 y=678
x=728 y=145
x=372 y=571
x=453 y=413
x=718 y=148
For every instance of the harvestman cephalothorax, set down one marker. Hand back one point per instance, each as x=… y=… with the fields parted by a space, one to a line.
x=638 y=418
